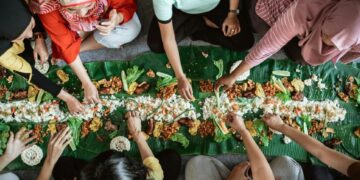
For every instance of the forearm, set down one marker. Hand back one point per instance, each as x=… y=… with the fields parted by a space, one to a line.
x=259 y=165
x=4 y=161
x=328 y=156
x=44 y=83
x=144 y=148
x=243 y=67
x=80 y=70
x=46 y=171
x=234 y=4
x=171 y=48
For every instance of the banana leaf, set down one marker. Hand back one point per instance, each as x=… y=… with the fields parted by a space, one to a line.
x=197 y=67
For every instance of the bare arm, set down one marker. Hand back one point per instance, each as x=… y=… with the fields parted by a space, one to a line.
x=134 y=127
x=259 y=166
x=90 y=91
x=172 y=52
x=330 y=157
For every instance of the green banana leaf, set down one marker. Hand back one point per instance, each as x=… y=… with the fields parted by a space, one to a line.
x=197 y=67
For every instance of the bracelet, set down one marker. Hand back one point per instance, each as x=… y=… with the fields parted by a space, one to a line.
x=236 y=11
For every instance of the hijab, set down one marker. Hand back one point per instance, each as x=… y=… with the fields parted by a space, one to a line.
x=339 y=19
x=76 y=22
x=14 y=18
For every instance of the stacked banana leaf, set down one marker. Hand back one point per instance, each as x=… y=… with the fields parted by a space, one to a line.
x=199 y=67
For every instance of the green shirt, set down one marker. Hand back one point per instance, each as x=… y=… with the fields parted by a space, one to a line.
x=163 y=8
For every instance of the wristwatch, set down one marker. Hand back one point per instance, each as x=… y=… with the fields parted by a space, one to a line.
x=236 y=11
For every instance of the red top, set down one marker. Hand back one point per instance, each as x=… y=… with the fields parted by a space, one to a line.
x=65 y=42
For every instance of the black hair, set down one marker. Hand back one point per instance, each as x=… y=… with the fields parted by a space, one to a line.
x=112 y=165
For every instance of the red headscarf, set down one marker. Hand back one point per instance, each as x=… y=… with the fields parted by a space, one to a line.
x=76 y=22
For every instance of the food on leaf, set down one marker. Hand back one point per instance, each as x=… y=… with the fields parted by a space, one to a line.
x=205 y=54
x=132 y=88
x=158 y=129
x=206 y=128
x=133 y=74
x=357 y=132
x=109 y=126
x=287 y=140
x=180 y=138
x=298 y=84
x=120 y=144
x=51 y=127
x=85 y=128
x=123 y=78
x=165 y=80
x=244 y=75
x=259 y=91
x=62 y=76
x=206 y=86
x=150 y=73
x=343 y=96
x=332 y=143
x=297 y=96
x=220 y=65
x=95 y=124
x=281 y=73
x=74 y=125
x=32 y=156
x=168 y=65
x=141 y=88
x=43 y=68
x=4 y=136
x=169 y=129
x=32 y=93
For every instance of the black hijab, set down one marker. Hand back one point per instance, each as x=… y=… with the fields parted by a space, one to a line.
x=14 y=18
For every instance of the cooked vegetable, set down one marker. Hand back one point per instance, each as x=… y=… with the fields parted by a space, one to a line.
x=75 y=127
x=304 y=121
x=285 y=95
x=220 y=65
x=180 y=138
x=132 y=74
x=259 y=91
x=164 y=80
x=4 y=135
x=123 y=78
x=220 y=136
x=281 y=73
x=298 y=85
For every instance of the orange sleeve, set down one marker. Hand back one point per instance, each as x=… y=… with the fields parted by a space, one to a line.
x=65 y=42
x=126 y=7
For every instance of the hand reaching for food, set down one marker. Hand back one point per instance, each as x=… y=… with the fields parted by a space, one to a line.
x=273 y=121
x=236 y=122
x=185 y=89
x=18 y=143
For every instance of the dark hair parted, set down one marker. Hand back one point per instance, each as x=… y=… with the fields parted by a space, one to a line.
x=112 y=165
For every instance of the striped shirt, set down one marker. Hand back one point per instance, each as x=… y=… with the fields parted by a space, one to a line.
x=279 y=14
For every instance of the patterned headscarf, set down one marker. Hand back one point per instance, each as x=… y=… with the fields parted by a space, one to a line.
x=76 y=22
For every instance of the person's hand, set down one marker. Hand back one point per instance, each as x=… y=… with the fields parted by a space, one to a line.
x=115 y=19
x=185 y=89
x=91 y=93
x=273 y=121
x=236 y=122
x=231 y=25
x=133 y=123
x=54 y=61
x=227 y=81
x=18 y=143
x=57 y=144
x=74 y=105
x=40 y=51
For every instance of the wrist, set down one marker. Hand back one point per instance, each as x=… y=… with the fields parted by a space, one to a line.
x=181 y=76
x=232 y=14
x=48 y=162
x=6 y=158
x=282 y=128
x=138 y=136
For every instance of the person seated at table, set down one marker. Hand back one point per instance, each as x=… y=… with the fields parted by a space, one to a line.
x=17 y=55
x=257 y=168
x=336 y=160
x=81 y=25
x=113 y=165
x=15 y=146
x=214 y=21
x=312 y=32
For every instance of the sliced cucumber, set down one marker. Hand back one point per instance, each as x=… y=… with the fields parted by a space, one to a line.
x=281 y=73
